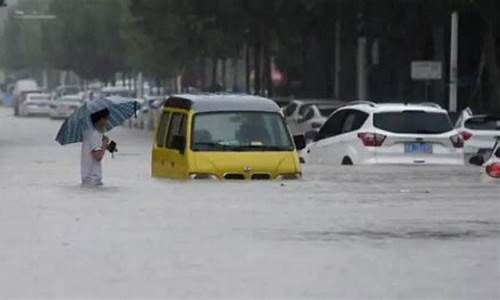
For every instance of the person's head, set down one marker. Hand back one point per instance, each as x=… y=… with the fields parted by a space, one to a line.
x=100 y=119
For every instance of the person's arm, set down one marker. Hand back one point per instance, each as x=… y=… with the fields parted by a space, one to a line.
x=98 y=152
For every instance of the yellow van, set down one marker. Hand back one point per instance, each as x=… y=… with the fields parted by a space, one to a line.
x=224 y=137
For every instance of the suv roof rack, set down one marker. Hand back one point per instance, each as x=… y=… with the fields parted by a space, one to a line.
x=361 y=102
x=430 y=104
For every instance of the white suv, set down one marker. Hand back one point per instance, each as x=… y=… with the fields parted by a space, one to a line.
x=479 y=131
x=368 y=133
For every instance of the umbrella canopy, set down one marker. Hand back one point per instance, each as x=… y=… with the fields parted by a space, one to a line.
x=73 y=128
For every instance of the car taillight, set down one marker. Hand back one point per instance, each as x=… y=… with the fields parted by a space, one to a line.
x=466 y=135
x=493 y=170
x=370 y=139
x=457 y=141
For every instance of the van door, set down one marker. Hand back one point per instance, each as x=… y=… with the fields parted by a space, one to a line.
x=159 y=155
x=176 y=160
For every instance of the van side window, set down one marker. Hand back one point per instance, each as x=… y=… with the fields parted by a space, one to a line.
x=333 y=126
x=161 y=135
x=177 y=127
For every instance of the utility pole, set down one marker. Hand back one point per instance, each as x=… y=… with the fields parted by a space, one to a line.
x=338 y=31
x=453 y=103
x=361 y=69
x=361 y=61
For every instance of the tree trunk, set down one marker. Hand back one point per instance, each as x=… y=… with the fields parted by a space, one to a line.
x=257 y=66
x=268 y=80
x=224 y=74
x=214 y=72
x=236 y=71
x=337 y=66
x=247 y=69
x=491 y=67
x=439 y=86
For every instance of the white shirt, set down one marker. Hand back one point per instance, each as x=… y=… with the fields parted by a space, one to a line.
x=90 y=167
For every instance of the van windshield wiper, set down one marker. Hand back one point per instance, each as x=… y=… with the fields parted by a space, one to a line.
x=266 y=147
x=215 y=146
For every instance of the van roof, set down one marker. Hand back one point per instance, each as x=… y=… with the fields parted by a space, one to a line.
x=220 y=102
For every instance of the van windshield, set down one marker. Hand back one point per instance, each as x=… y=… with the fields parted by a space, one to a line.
x=240 y=131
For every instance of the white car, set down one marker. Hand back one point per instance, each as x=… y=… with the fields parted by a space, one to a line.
x=311 y=121
x=116 y=91
x=21 y=89
x=479 y=131
x=314 y=117
x=490 y=159
x=295 y=112
x=35 y=104
x=369 y=133
x=64 y=106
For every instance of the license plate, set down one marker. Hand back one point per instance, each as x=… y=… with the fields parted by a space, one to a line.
x=418 y=148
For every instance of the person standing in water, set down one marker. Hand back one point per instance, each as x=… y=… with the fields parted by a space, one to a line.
x=94 y=147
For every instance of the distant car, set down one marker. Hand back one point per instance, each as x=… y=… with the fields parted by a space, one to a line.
x=314 y=117
x=64 y=106
x=116 y=91
x=369 y=133
x=479 y=131
x=489 y=159
x=295 y=112
x=35 y=104
x=21 y=89
x=312 y=120
x=64 y=90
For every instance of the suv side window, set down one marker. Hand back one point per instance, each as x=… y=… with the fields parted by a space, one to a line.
x=354 y=120
x=290 y=109
x=162 y=130
x=309 y=115
x=333 y=126
x=177 y=127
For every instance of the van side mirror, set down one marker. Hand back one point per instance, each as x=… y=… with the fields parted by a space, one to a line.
x=179 y=143
x=300 y=141
x=477 y=160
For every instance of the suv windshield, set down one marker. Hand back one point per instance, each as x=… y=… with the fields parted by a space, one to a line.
x=413 y=122
x=483 y=123
x=240 y=131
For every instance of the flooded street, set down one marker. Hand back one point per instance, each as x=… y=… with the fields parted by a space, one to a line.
x=354 y=232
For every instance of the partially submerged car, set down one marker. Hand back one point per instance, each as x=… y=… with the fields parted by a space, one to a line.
x=224 y=137
x=365 y=132
x=62 y=107
x=35 y=104
x=489 y=159
x=478 y=131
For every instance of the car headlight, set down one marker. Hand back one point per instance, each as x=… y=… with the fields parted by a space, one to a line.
x=203 y=176
x=289 y=176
